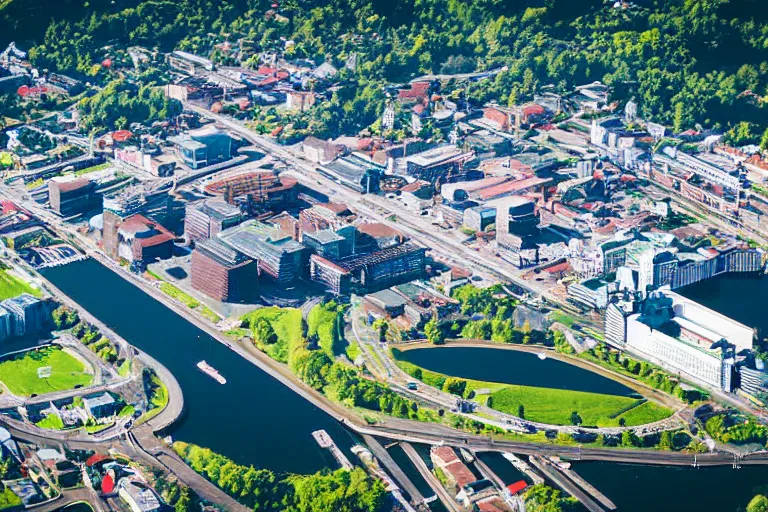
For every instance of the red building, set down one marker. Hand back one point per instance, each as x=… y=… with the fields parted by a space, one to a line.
x=141 y=239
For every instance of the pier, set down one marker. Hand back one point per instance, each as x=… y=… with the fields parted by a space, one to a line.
x=488 y=473
x=389 y=463
x=589 y=488
x=325 y=441
x=523 y=467
x=446 y=499
x=553 y=473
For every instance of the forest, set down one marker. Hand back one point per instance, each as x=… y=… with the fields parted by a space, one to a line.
x=686 y=62
x=262 y=489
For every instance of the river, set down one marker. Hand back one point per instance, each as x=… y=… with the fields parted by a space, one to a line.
x=253 y=419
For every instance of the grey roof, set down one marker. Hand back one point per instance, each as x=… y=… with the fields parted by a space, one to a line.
x=325 y=236
x=95 y=401
x=388 y=298
x=220 y=252
x=220 y=210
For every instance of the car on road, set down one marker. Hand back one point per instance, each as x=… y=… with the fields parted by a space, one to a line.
x=412 y=386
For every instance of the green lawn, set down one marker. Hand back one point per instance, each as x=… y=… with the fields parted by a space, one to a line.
x=553 y=406
x=11 y=286
x=287 y=324
x=19 y=373
x=51 y=422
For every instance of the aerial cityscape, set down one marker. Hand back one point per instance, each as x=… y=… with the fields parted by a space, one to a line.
x=439 y=256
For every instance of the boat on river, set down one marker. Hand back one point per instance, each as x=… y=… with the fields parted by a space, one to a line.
x=542 y=355
x=211 y=372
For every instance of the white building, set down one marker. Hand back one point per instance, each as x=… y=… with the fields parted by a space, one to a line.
x=683 y=337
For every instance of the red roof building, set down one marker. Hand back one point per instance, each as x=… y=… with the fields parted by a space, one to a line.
x=497 y=118
x=517 y=487
x=121 y=135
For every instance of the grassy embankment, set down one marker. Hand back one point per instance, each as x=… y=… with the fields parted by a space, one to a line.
x=287 y=324
x=553 y=406
x=11 y=286
x=188 y=300
x=19 y=373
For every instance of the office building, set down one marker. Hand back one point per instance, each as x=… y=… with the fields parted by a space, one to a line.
x=222 y=273
x=444 y=163
x=256 y=191
x=203 y=147
x=72 y=196
x=479 y=218
x=278 y=256
x=205 y=219
x=370 y=271
x=687 y=338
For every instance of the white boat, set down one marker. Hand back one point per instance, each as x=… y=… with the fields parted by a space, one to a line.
x=211 y=372
x=542 y=356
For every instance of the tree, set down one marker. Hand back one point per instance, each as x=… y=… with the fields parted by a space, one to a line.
x=434 y=333
x=758 y=504
x=455 y=386
x=184 y=503
x=521 y=411
x=665 y=441
x=575 y=418
x=263 y=332
x=628 y=439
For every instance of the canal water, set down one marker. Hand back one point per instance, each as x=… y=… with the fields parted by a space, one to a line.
x=636 y=488
x=512 y=367
x=253 y=419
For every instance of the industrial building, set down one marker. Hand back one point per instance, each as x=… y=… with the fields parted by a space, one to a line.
x=203 y=147
x=205 y=219
x=70 y=196
x=370 y=271
x=277 y=255
x=222 y=273
x=682 y=336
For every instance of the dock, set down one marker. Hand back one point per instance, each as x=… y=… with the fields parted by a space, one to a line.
x=523 y=467
x=446 y=499
x=390 y=465
x=589 y=488
x=488 y=473
x=553 y=473
x=325 y=441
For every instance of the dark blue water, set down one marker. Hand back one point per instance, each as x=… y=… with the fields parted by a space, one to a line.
x=512 y=367
x=253 y=419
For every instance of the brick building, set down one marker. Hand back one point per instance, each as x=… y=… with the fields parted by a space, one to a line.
x=223 y=273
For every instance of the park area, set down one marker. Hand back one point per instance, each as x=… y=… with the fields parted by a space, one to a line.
x=544 y=405
x=286 y=332
x=20 y=373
